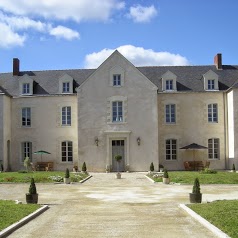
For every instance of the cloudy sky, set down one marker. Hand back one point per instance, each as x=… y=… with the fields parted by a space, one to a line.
x=59 y=34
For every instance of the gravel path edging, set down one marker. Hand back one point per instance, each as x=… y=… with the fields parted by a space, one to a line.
x=82 y=181
x=151 y=180
x=204 y=222
x=7 y=231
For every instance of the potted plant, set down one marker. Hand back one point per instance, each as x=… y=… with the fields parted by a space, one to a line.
x=196 y=196
x=27 y=163
x=118 y=158
x=161 y=167
x=166 y=177
x=84 y=167
x=32 y=196
x=152 y=168
x=67 y=177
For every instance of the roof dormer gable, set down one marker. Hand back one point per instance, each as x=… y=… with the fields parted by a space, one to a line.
x=66 y=84
x=210 y=81
x=169 y=81
x=25 y=85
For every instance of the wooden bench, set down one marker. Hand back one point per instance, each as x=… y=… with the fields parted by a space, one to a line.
x=44 y=166
x=193 y=165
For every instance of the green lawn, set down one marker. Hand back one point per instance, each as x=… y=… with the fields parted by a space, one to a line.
x=11 y=212
x=187 y=177
x=39 y=176
x=222 y=214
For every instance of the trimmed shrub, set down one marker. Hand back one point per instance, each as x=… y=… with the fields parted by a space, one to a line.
x=84 y=167
x=233 y=168
x=32 y=188
x=196 y=186
x=152 y=168
x=67 y=173
x=166 y=174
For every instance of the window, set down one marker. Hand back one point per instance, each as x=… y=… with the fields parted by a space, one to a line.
x=169 y=84
x=26 y=150
x=212 y=113
x=26 y=116
x=67 y=151
x=116 y=80
x=213 y=148
x=170 y=113
x=117 y=113
x=25 y=88
x=171 y=149
x=66 y=116
x=211 y=84
x=66 y=87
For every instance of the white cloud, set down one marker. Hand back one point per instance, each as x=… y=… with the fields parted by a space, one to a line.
x=70 y=9
x=64 y=32
x=10 y=38
x=142 y=14
x=138 y=56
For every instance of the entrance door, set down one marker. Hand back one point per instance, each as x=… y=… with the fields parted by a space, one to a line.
x=118 y=149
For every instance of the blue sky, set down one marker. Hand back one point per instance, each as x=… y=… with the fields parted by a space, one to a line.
x=59 y=34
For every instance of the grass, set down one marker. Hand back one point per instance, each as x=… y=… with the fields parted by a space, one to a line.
x=187 y=177
x=39 y=177
x=11 y=212
x=222 y=214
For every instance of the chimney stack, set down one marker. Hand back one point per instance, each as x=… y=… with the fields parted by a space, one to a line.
x=16 y=67
x=218 y=61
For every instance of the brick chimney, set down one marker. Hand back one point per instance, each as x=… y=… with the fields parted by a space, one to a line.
x=218 y=61
x=16 y=67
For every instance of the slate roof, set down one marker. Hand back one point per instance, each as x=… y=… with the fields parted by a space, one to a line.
x=189 y=78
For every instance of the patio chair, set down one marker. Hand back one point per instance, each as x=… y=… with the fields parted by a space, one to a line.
x=207 y=164
x=188 y=166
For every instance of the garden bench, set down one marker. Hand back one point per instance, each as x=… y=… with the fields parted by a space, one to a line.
x=44 y=166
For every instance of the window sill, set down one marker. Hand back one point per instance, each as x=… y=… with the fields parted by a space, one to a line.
x=116 y=123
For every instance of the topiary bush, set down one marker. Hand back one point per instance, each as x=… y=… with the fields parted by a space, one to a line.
x=84 y=167
x=233 y=168
x=196 y=186
x=166 y=174
x=67 y=173
x=32 y=188
x=152 y=168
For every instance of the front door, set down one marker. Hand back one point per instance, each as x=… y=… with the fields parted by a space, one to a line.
x=118 y=149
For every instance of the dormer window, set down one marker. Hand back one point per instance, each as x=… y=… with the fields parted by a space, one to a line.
x=210 y=81
x=116 y=80
x=211 y=84
x=25 y=88
x=169 y=84
x=66 y=87
x=66 y=84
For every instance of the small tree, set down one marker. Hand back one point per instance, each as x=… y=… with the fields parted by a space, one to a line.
x=84 y=167
x=233 y=168
x=32 y=188
x=67 y=173
x=27 y=163
x=118 y=158
x=196 y=186
x=152 y=168
x=166 y=174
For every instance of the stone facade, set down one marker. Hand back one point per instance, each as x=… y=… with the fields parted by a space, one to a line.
x=145 y=114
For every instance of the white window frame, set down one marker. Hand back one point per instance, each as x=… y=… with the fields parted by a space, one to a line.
x=171 y=152
x=212 y=113
x=26 y=150
x=67 y=151
x=211 y=84
x=26 y=117
x=169 y=84
x=214 y=148
x=117 y=114
x=170 y=113
x=66 y=87
x=66 y=116
x=117 y=80
x=26 y=88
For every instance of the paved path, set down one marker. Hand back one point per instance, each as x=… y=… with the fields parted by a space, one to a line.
x=106 y=207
